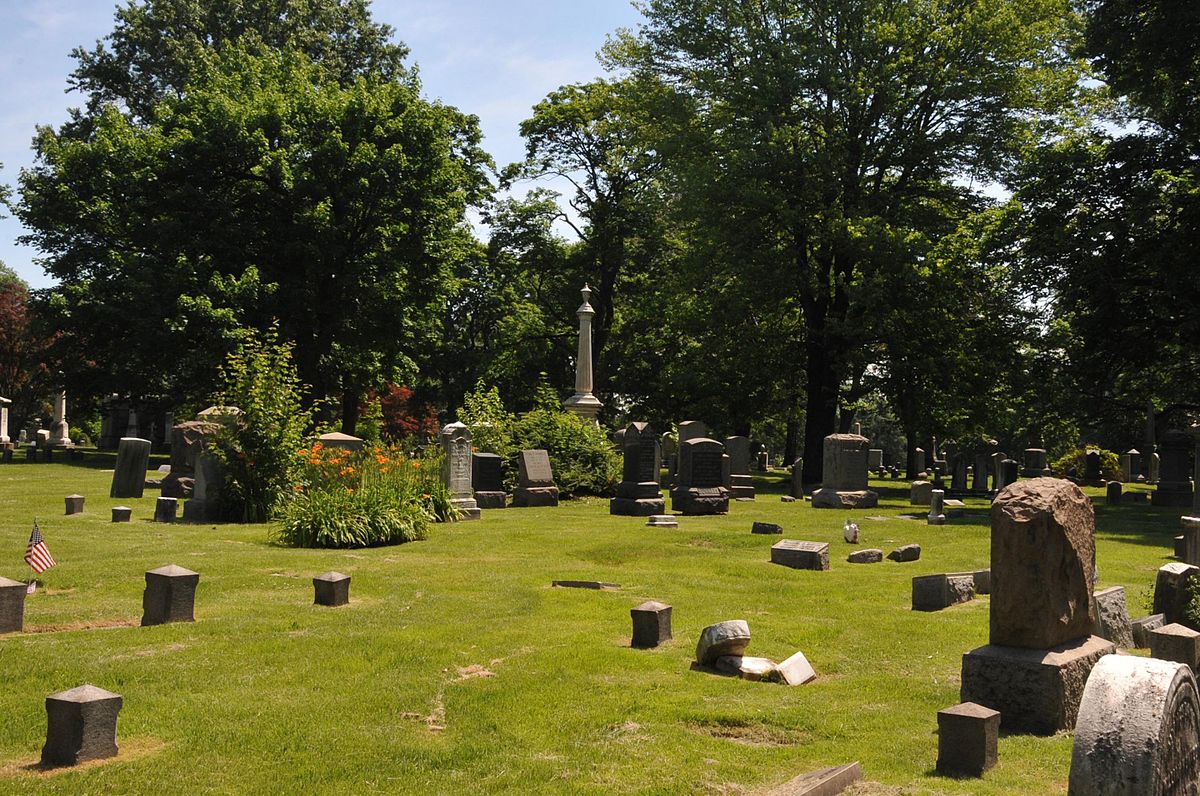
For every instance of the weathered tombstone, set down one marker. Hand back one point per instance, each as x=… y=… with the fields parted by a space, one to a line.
x=801 y=555
x=1126 y=465
x=1112 y=493
x=875 y=459
x=920 y=493
x=958 y=473
x=1181 y=547
x=170 y=595
x=1141 y=629
x=937 y=510
x=741 y=485
x=12 y=605
x=670 y=454
x=1009 y=470
x=919 y=470
x=129 y=477
x=979 y=473
x=766 y=527
x=1137 y=732
x=796 y=670
x=81 y=725
x=74 y=504
x=5 y=439
x=762 y=460
x=166 y=509
x=967 y=740
x=1091 y=467
x=346 y=442
x=824 y=782
x=983 y=581
x=1176 y=642
x=122 y=514
x=456 y=469
x=935 y=592
x=700 y=483
x=844 y=474
x=535 y=480
x=1112 y=616
x=331 y=589
x=1191 y=540
x=59 y=436
x=1041 y=618
x=651 y=624
x=204 y=504
x=1172 y=589
x=188 y=441
x=1135 y=465
x=583 y=403
x=868 y=556
x=1035 y=464
x=905 y=553
x=487 y=479
x=1175 y=471
x=731 y=637
x=1153 y=468
x=995 y=469
x=797 y=483
x=639 y=493
x=692 y=429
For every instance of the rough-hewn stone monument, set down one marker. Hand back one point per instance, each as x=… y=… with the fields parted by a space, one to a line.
x=844 y=474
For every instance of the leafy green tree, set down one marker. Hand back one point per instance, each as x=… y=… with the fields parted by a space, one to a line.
x=824 y=136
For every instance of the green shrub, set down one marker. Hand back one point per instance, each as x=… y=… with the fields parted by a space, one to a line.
x=1110 y=463
x=378 y=496
x=491 y=424
x=257 y=447
x=583 y=458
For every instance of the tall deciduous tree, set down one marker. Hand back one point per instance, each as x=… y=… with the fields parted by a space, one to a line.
x=825 y=133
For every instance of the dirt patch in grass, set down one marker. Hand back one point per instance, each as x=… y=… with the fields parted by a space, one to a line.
x=435 y=721
x=707 y=544
x=96 y=624
x=749 y=733
x=128 y=750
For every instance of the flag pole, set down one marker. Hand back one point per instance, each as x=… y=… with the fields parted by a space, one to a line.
x=31 y=586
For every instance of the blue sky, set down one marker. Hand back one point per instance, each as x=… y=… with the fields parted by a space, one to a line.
x=493 y=58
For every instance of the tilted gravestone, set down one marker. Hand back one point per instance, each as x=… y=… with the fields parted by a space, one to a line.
x=1138 y=730
x=1043 y=563
x=639 y=493
x=487 y=479
x=844 y=474
x=741 y=484
x=730 y=637
x=700 y=483
x=535 y=480
x=797 y=482
x=81 y=725
x=456 y=469
x=129 y=477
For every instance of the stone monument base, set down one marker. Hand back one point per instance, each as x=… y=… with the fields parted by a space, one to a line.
x=699 y=501
x=467 y=507
x=491 y=500
x=529 y=497
x=833 y=499
x=741 y=486
x=1171 y=498
x=1036 y=691
x=636 y=507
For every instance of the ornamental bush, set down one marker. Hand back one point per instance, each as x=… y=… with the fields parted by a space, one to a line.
x=1110 y=463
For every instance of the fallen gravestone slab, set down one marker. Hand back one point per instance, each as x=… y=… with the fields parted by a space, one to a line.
x=585 y=584
x=766 y=527
x=745 y=667
x=731 y=637
x=796 y=670
x=826 y=782
x=1137 y=730
x=801 y=555
x=869 y=556
x=909 y=552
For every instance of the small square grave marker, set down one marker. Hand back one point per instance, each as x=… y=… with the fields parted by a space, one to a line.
x=651 y=624
x=74 y=504
x=12 y=605
x=81 y=725
x=663 y=521
x=332 y=589
x=170 y=595
x=165 y=509
x=122 y=514
x=967 y=736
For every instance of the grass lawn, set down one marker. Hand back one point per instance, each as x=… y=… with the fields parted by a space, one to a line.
x=458 y=669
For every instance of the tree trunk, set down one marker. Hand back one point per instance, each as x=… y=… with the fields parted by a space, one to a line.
x=790 y=441
x=820 y=416
x=351 y=401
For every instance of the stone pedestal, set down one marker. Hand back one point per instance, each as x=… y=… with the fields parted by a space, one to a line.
x=81 y=725
x=1177 y=643
x=122 y=514
x=1036 y=691
x=937 y=511
x=170 y=595
x=801 y=555
x=935 y=592
x=487 y=479
x=74 y=504
x=967 y=740
x=844 y=474
x=332 y=589
x=651 y=624
x=1137 y=731
x=1112 y=616
x=165 y=509
x=583 y=403
x=129 y=477
x=12 y=605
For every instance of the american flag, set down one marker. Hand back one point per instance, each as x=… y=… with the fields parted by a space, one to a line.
x=36 y=555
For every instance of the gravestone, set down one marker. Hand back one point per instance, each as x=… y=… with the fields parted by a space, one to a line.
x=535 y=480
x=331 y=589
x=1112 y=493
x=651 y=624
x=662 y=521
x=692 y=429
x=967 y=740
x=868 y=556
x=1153 y=468
x=166 y=509
x=204 y=505
x=741 y=485
x=129 y=477
x=5 y=439
x=1135 y=465
x=340 y=441
x=766 y=527
x=731 y=637
x=920 y=493
x=170 y=595
x=979 y=476
x=1009 y=471
x=763 y=461
x=700 y=483
x=875 y=459
x=1175 y=642
x=1172 y=589
x=958 y=473
x=1112 y=616
x=935 y=592
x=1191 y=540
x=824 y=782
x=59 y=436
x=1092 y=475
x=81 y=724
x=1141 y=629
x=801 y=555
x=639 y=493
x=797 y=482
x=937 y=509
x=487 y=480
x=1043 y=554
x=74 y=504
x=1035 y=464
x=1174 y=471
x=844 y=474
x=1138 y=730
x=12 y=605
x=670 y=453
x=919 y=470
x=456 y=469
x=995 y=469
x=905 y=553
x=188 y=441
x=122 y=514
